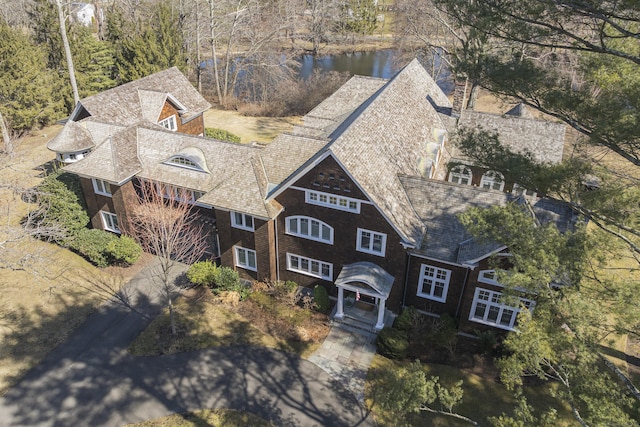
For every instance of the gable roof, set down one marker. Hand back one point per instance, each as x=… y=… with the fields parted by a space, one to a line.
x=438 y=204
x=139 y=100
x=384 y=136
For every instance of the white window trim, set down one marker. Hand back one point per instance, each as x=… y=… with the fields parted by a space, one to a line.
x=315 y=198
x=243 y=225
x=490 y=179
x=298 y=233
x=107 y=221
x=184 y=162
x=482 y=277
x=370 y=250
x=247 y=265
x=101 y=186
x=457 y=173
x=308 y=271
x=169 y=123
x=434 y=278
x=493 y=295
x=173 y=192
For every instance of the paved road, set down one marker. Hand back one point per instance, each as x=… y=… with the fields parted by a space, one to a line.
x=91 y=380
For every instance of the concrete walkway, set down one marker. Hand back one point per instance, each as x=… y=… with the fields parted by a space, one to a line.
x=346 y=355
x=92 y=380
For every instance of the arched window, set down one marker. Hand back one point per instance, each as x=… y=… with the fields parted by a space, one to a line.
x=460 y=175
x=309 y=228
x=492 y=180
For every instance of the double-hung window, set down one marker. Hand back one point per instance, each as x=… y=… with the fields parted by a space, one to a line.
x=245 y=258
x=242 y=221
x=489 y=309
x=101 y=187
x=433 y=283
x=309 y=228
x=110 y=221
x=460 y=175
x=310 y=267
x=492 y=180
x=371 y=242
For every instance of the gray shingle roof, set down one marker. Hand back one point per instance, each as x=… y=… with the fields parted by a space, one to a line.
x=73 y=137
x=388 y=136
x=438 y=203
x=287 y=153
x=544 y=139
x=139 y=100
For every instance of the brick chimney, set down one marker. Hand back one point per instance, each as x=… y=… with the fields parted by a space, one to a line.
x=459 y=96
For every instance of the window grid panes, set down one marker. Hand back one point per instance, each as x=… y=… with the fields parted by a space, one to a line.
x=433 y=283
x=169 y=123
x=246 y=258
x=310 y=267
x=309 y=228
x=371 y=242
x=460 y=175
x=487 y=308
x=242 y=221
x=492 y=180
x=110 y=221
x=101 y=187
x=332 y=201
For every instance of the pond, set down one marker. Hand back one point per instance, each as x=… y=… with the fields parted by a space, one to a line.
x=378 y=63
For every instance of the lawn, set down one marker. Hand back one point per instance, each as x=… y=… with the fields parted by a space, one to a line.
x=46 y=290
x=205 y=320
x=249 y=129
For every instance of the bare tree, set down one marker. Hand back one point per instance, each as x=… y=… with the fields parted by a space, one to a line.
x=167 y=225
x=67 y=52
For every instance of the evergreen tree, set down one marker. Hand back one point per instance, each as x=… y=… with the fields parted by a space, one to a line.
x=94 y=61
x=28 y=93
x=143 y=48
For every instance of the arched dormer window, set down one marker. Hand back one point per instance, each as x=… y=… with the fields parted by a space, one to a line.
x=189 y=158
x=492 y=180
x=309 y=228
x=460 y=175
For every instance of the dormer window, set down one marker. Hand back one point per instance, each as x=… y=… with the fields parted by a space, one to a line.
x=460 y=175
x=189 y=158
x=169 y=123
x=492 y=180
x=183 y=161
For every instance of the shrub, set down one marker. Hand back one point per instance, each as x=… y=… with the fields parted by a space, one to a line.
x=123 y=250
x=405 y=321
x=392 y=343
x=61 y=205
x=92 y=245
x=227 y=280
x=202 y=273
x=221 y=135
x=321 y=298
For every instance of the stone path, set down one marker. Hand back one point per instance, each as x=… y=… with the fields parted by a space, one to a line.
x=346 y=355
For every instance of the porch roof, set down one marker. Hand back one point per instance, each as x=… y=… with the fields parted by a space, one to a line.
x=368 y=273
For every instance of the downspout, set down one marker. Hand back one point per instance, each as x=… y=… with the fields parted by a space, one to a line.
x=277 y=252
x=406 y=280
x=464 y=285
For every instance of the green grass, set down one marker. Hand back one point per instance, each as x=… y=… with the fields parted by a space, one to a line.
x=483 y=398
x=207 y=418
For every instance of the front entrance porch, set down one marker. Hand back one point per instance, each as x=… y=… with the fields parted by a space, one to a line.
x=363 y=281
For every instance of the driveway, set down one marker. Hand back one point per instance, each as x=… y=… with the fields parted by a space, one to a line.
x=91 y=380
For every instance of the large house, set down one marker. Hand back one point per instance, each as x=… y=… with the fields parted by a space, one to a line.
x=358 y=198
